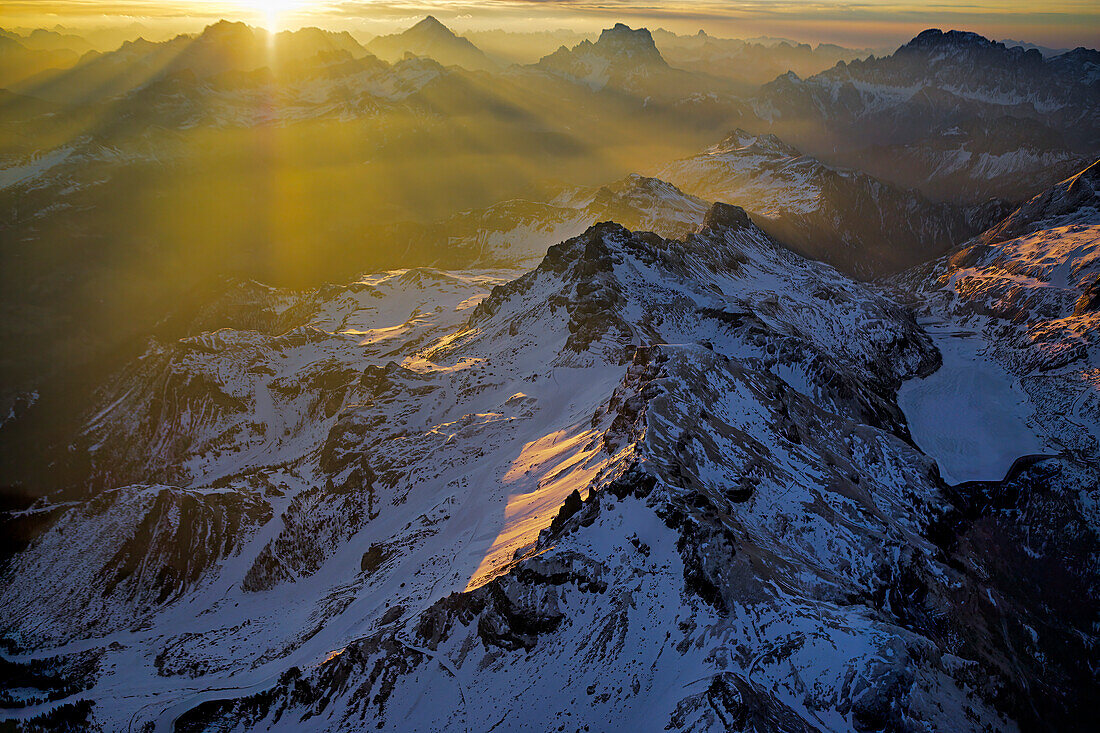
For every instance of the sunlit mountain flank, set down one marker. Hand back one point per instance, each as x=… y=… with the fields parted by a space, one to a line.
x=556 y=366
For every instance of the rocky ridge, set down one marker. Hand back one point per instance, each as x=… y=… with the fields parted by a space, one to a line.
x=695 y=445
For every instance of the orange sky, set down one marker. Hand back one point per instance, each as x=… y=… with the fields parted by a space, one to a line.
x=861 y=22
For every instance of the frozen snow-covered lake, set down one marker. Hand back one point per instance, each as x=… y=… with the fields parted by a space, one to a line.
x=970 y=415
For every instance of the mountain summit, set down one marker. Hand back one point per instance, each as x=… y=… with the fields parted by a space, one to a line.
x=935 y=39
x=431 y=38
x=622 y=57
x=622 y=41
x=619 y=46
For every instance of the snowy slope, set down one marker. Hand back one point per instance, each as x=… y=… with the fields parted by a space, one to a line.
x=1007 y=157
x=649 y=481
x=857 y=223
x=749 y=480
x=1024 y=294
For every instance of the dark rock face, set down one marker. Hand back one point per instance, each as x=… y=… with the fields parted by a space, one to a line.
x=725 y=215
x=1089 y=301
x=620 y=45
x=733 y=703
x=1029 y=536
x=592 y=296
x=571 y=506
x=623 y=41
x=372 y=558
x=316 y=522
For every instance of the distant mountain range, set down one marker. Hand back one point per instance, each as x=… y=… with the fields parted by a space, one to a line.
x=621 y=58
x=1045 y=50
x=750 y=63
x=936 y=81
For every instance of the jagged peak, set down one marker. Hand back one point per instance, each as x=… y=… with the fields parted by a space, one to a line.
x=1082 y=53
x=429 y=37
x=620 y=48
x=935 y=41
x=430 y=24
x=934 y=37
x=622 y=39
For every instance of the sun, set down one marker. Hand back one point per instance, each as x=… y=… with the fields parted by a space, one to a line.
x=272 y=12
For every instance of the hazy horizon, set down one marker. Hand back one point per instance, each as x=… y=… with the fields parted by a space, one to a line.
x=875 y=24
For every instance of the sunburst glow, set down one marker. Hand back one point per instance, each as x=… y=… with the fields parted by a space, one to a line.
x=273 y=13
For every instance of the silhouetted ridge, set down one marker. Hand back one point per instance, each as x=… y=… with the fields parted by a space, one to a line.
x=431 y=24
x=934 y=38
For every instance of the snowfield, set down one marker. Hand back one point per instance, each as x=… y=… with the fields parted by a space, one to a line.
x=970 y=414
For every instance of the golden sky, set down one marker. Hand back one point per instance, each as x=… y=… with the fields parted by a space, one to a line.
x=859 y=22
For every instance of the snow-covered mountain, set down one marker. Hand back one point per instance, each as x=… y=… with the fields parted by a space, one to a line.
x=939 y=79
x=845 y=217
x=955 y=84
x=649 y=482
